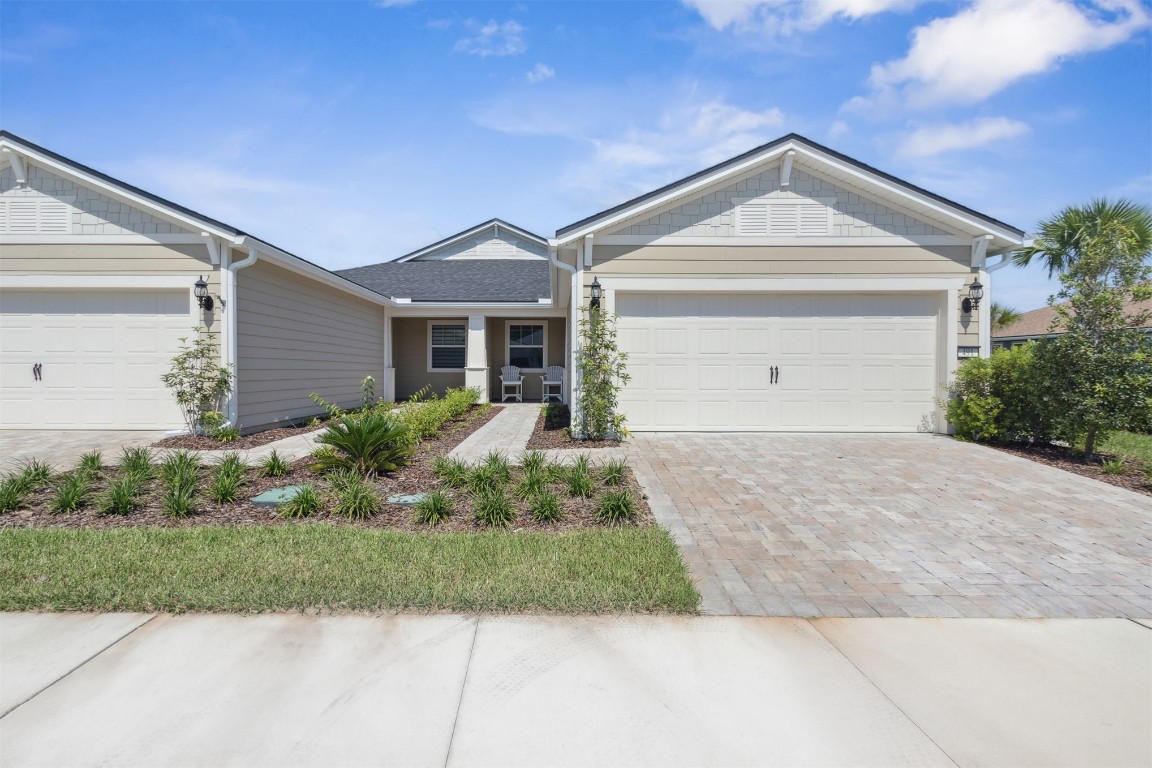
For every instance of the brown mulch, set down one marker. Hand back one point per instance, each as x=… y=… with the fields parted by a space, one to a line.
x=1070 y=460
x=205 y=443
x=416 y=477
x=550 y=432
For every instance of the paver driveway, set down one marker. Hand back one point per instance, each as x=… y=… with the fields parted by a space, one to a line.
x=894 y=525
x=63 y=448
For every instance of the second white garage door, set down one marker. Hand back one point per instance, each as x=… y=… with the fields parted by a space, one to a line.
x=101 y=355
x=842 y=362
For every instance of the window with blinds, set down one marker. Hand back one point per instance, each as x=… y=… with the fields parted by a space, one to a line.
x=447 y=345
x=783 y=218
x=35 y=216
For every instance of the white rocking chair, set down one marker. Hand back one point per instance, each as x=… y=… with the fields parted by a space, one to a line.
x=553 y=378
x=510 y=377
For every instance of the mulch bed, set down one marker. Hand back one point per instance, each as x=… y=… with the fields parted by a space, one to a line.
x=417 y=477
x=205 y=443
x=550 y=432
x=1069 y=460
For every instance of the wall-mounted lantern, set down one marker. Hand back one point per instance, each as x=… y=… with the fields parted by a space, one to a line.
x=972 y=302
x=597 y=292
x=202 y=297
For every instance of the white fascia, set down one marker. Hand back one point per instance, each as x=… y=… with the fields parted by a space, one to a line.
x=465 y=235
x=301 y=267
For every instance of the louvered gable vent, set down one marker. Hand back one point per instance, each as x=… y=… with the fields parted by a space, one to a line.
x=786 y=217
x=35 y=216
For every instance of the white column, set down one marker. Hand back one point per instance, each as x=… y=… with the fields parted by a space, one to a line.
x=985 y=315
x=388 y=386
x=476 y=359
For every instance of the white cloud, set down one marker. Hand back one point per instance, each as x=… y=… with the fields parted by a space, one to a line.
x=965 y=58
x=837 y=129
x=941 y=137
x=540 y=73
x=783 y=17
x=493 y=39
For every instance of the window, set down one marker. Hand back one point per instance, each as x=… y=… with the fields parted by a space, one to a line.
x=447 y=344
x=786 y=217
x=526 y=345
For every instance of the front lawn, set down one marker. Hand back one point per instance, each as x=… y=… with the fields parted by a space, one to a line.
x=316 y=566
x=1130 y=446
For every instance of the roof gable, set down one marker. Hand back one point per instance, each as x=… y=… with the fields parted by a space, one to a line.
x=493 y=239
x=803 y=156
x=458 y=280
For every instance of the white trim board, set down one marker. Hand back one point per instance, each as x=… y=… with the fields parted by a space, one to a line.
x=691 y=284
x=105 y=282
x=64 y=239
x=736 y=241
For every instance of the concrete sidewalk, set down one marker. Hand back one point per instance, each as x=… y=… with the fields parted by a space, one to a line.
x=279 y=690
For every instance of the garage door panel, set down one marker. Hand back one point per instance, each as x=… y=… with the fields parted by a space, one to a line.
x=846 y=362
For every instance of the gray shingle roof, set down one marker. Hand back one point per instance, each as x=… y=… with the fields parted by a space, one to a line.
x=472 y=280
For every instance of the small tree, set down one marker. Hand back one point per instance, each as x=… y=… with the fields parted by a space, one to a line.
x=1099 y=367
x=1003 y=316
x=602 y=372
x=197 y=380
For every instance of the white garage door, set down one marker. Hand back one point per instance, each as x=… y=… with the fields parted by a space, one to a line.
x=842 y=362
x=101 y=355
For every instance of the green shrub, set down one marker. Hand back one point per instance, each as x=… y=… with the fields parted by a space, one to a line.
x=580 y=484
x=71 y=492
x=35 y=474
x=534 y=462
x=1114 y=466
x=179 y=500
x=369 y=443
x=274 y=465
x=615 y=507
x=433 y=509
x=91 y=463
x=498 y=464
x=228 y=478
x=581 y=465
x=425 y=414
x=532 y=484
x=493 y=508
x=214 y=426
x=356 y=499
x=452 y=471
x=304 y=504
x=613 y=472
x=122 y=494
x=1003 y=397
x=12 y=493
x=482 y=478
x=137 y=461
x=545 y=507
x=180 y=469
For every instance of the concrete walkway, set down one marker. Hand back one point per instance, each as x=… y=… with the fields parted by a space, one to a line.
x=290 y=690
x=507 y=432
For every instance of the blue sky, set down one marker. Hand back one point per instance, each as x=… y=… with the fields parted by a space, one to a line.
x=350 y=133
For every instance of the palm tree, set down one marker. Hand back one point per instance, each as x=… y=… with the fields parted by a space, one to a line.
x=1003 y=316
x=1061 y=239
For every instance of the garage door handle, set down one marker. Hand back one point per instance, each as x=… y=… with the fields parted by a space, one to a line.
x=774 y=376
x=36 y=372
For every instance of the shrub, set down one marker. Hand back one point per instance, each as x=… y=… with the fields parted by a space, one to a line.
x=616 y=507
x=580 y=465
x=91 y=463
x=214 y=426
x=197 y=380
x=227 y=479
x=425 y=414
x=356 y=499
x=614 y=472
x=433 y=509
x=137 y=461
x=532 y=484
x=274 y=466
x=370 y=443
x=12 y=493
x=122 y=494
x=180 y=469
x=35 y=474
x=178 y=500
x=493 y=508
x=71 y=492
x=453 y=472
x=602 y=370
x=498 y=464
x=580 y=482
x=1002 y=397
x=1114 y=466
x=534 y=462
x=545 y=507
x=303 y=504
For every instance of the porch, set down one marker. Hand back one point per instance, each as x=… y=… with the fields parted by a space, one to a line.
x=456 y=351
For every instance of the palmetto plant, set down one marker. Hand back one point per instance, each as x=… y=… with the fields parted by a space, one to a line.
x=1003 y=316
x=1062 y=239
x=368 y=443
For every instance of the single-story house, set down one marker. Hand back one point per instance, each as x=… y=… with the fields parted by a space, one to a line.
x=790 y=288
x=1035 y=325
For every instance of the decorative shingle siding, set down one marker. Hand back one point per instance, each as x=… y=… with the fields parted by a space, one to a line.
x=489 y=245
x=93 y=213
x=714 y=214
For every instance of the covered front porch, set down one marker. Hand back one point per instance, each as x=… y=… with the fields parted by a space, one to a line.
x=442 y=352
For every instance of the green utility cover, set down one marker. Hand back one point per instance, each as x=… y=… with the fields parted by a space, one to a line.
x=277 y=496
x=407 y=500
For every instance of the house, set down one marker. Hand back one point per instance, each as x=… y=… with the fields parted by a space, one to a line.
x=1036 y=324
x=789 y=288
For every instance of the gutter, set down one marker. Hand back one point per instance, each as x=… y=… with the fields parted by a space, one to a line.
x=231 y=352
x=576 y=289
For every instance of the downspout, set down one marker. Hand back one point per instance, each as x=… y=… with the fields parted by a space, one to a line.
x=985 y=274
x=230 y=269
x=573 y=319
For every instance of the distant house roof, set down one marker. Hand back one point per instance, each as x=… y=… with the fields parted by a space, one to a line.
x=463 y=280
x=1035 y=324
x=495 y=224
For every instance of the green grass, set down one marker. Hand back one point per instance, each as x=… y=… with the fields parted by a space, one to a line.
x=1129 y=445
x=297 y=567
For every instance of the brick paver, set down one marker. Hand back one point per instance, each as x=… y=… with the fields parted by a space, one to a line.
x=894 y=525
x=508 y=433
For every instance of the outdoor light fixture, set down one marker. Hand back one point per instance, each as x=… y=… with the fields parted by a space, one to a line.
x=596 y=293
x=202 y=297
x=972 y=303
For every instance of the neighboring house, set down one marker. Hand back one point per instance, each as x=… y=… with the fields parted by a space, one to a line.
x=790 y=288
x=1036 y=325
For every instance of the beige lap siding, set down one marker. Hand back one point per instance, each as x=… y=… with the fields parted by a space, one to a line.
x=410 y=357
x=297 y=336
